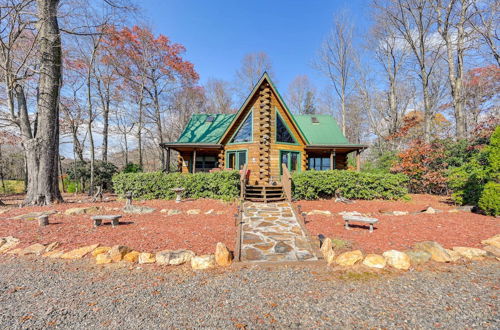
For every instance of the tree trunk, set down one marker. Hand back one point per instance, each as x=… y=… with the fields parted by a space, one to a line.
x=42 y=149
x=139 y=134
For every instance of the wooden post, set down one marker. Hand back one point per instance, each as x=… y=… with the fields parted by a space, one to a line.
x=167 y=165
x=358 y=161
x=332 y=154
x=193 y=161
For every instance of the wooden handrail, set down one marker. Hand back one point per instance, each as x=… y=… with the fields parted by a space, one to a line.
x=286 y=179
x=243 y=180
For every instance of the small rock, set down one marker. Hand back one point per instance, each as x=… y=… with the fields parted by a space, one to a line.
x=349 y=214
x=147 y=258
x=493 y=241
x=455 y=256
x=7 y=243
x=103 y=258
x=173 y=212
x=80 y=252
x=438 y=253
x=179 y=257
x=223 y=256
x=136 y=209
x=117 y=252
x=132 y=256
x=100 y=250
x=53 y=254
x=18 y=251
x=319 y=212
x=397 y=259
x=163 y=257
x=209 y=212
x=374 y=261
x=399 y=213
x=470 y=253
x=349 y=258
x=418 y=257
x=164 y=210
x=193 y=211
x=203 y=262
x=329 y=256
x=52 y=246
x=82 y=210
x=220 y=212
x=36 y=249
x=493 y=250
x=326 y=246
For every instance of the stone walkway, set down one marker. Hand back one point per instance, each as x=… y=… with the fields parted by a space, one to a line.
x=271 y=232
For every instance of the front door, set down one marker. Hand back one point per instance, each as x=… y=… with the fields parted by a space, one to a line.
x=291 y=159
x=236 y=159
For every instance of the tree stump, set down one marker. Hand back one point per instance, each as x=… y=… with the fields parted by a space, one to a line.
x=43 y=220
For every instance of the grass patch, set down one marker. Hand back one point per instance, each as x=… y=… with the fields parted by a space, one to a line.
x=340 y=244
x=358 y=276
x=12 y=187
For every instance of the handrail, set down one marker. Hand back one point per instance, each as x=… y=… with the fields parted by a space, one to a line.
x=243 y=181
x=286 y=179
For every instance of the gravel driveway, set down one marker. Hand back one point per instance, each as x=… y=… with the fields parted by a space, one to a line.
x=37 y=293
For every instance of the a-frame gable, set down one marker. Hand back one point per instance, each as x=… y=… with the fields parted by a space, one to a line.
x=246 y=107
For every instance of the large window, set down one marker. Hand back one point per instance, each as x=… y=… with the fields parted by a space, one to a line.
x=319 y=163
x=244 y=133
x=205 y=163
x=290 y=159
x=236 y=159
x=283 y=135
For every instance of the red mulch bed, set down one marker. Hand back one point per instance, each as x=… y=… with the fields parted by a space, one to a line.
x=401 y=232
x=149 y=232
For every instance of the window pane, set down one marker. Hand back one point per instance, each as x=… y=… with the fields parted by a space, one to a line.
x=325 y=163
x=231 y=159
x=294 y=161
x=244 y=134
x=242 y=159
x=284 y=158
x=282 y=132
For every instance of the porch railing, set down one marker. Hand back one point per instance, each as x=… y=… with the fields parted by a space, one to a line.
x=243 y=181
x=286 y=181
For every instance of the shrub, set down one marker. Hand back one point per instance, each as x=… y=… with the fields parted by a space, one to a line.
x=157 y=185
x=103 y=172
x=132 y=168
x=490 y=199
x=353 y=185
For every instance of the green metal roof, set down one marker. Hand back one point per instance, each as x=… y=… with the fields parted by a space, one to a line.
x=201 y=130
x=324 y=132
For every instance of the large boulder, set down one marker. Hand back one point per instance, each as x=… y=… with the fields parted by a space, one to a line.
x=418 y=257
x=470 y=253
x=7 y=243
x=36 y=249
x=327 y=250
x=454 y=255
x=132 y=256
x=349 y=258
x=374 y=261
x=117 y=252
x=438 y=253
x=493 y=250
x=223 y=256
x=147 y=258
x=493 y=241
x=80 y=252
x=82 y=210
x=203 y=262
x=103 y=258
x=101 y=250
x=397 y=259
x=136 y=209
x=173 y=258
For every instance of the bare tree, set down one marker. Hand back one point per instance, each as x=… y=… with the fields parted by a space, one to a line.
x=301 y=96
x=252 y=68
x=218 y=96
x=415 y=21
x=336 y=60
x=485 y=23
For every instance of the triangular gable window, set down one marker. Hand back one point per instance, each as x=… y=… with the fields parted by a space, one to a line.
x=244 y=133
x=283 y=135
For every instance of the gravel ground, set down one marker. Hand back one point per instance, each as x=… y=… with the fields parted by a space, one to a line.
x=36 y=293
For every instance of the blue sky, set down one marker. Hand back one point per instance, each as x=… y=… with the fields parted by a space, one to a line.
x=218 y=33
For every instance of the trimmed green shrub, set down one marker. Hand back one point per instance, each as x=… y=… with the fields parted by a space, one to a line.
x=352 y=185
x=490 y=199
x=157 y=185
x=132 y=168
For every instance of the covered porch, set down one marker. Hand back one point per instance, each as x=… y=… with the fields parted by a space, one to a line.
x=194 y=158
x=332 y=157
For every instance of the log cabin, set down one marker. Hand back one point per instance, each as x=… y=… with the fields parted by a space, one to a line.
x=262 y=137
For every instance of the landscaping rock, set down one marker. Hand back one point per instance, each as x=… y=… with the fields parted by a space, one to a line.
x=223 y=256
x=438 y=253
x=220 y=212
x=147 y=258
x=7 y=243
x=52 y=246
x=36 y=249
x=173 y=212
x=33 y=215
x=100 y=250
x=455 y=256
x=136 y=209
x=53 y=254
x=329 y=257
x=470 y=253
x=82 y=210
x=173 y=258
x=193 y=211
x=374 y=261
x=397 y=259
x=80 y=252
x=493 y=250
x=209 y=212
x=18 y=251
x=103 y=258
x=132 y=256
x=349 y=214
x=493 y=241
x=349 y=258
x=326 y=246
x=117 y=252
x=319 y=212
x=400 y=213
x=418 y=257
x=203 y=262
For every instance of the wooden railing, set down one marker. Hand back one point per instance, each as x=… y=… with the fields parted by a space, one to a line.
x=243 y=181
x=286 y=180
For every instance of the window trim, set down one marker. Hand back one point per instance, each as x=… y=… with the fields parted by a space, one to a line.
x=299 y=160
x=235 y=151
x=250 y=113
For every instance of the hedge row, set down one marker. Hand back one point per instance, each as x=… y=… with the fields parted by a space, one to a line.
x=353 y=185
x=157 y=185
